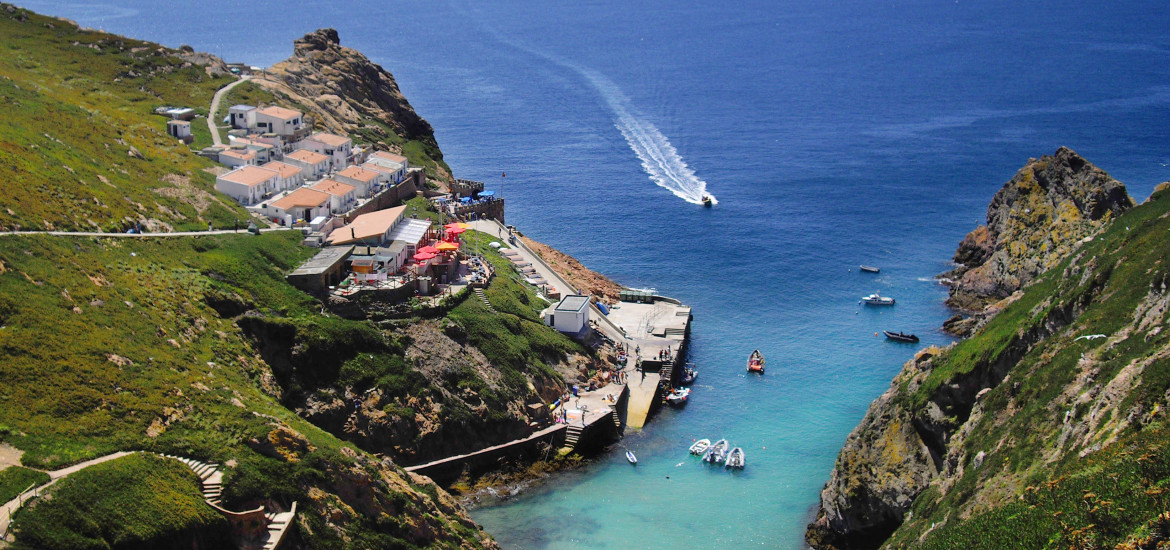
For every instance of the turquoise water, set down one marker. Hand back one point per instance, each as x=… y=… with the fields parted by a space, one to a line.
x=832 y=134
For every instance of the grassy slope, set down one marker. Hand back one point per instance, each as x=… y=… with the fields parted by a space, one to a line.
x=137 y=501
x=16 y=479
x=79 y=101
x=1023 y=489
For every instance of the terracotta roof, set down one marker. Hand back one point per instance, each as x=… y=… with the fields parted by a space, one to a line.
x=366 y=226
x=330 y=139
x=279 y=112
x=301 y=197
x=333 y=187
x=389 y=156
x=358 y=173
x=307 y=156
x=242 y=155
x=249 y=175
x=284 y=170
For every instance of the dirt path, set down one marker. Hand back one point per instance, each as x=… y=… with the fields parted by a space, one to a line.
x=211 y=115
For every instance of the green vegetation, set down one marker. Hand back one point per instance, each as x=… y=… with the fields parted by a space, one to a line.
x=81 y=115
x=14 y=480
x=137 y=501
x=1043 y=481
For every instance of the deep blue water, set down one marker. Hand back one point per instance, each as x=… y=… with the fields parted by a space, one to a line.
x=831 y=133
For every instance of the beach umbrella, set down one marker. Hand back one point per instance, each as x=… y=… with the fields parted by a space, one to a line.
x=454 y=230
x=428 y=250
x=457 y=225
x=446 y=247
x=423 y=256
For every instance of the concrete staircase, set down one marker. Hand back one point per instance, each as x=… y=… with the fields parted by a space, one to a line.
x=278 y=523
x=483 y=298
x=209 y=476
x=573 y=435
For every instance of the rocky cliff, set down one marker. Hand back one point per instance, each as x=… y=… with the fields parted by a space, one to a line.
x=1033 y=222
x=348 y=94
x=1053 y=396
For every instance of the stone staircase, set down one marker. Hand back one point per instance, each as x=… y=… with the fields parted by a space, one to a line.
x=209 y=476
x=617 y=421
x=573 y=435
x=278 y=523
x=483 y=298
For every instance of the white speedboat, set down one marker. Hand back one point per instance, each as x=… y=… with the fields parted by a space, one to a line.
x=735 y=458
x=717 y=453
x=678 y=397
x=876 y=300
x=630 y=456
x=700 y=446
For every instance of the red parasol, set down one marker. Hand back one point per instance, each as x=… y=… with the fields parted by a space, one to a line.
x=423 y=256
x=428 y=250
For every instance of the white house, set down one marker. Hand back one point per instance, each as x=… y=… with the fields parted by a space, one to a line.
x=180 y=129
x=337 y=148
x=237 y=157
x=242 y=116
x=342 y=195
x=303 y=204
x=287 y=175
x=396 y=164
x=363 y=179
x=571 y=315
x=247 y=184
x=279 y=121
x=264 y=152
x=315 y=165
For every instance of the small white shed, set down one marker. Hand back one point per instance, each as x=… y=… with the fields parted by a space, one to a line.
x=571 y=315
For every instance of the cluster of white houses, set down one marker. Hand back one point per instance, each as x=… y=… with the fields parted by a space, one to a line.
x=284 y=171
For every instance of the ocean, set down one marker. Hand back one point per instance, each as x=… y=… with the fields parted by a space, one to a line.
x=832 y=134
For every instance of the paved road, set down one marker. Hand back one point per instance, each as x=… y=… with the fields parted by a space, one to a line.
x=211 y=116
x=146 y=235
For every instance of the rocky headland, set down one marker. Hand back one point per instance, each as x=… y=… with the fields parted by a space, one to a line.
x=1068 y=310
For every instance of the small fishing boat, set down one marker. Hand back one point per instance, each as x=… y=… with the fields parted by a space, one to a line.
x=707 y=201
x=756 y=362
x=901 y=336
x=699 y=447
x=870 y=269
x=689 y=375
x=735 y=459
x=716 y=453
x=678 y=398
x=876 y=300
x=630 y=456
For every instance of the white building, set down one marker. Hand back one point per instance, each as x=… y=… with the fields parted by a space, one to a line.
x=342 y=195
x=372 y=229
x=571 y=315
x=337 y=148
x=264 y=151
x=247 y=184
x=180 y=129
x=396 y=165
x=287 y=175
x=363 y=179
x=303 y=204
x=237 y=157
x=279 y=121
x=315 y=165
x=242 y=116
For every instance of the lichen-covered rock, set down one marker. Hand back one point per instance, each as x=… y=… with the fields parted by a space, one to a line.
x=1033 y=223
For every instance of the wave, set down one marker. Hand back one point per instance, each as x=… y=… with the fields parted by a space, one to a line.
x=660 y=159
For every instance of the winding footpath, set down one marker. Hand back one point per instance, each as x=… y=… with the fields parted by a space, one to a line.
x=211 y=116
x=145 y=235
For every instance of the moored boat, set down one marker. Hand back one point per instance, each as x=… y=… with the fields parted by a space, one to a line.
x=901 y=336
x=756 y=362
x=630 y=457
x=678 y=397
x=689 y=375
x=735 y=459
x=870 y=269
x=699 y=447
x=716 y=453
x=877 y=300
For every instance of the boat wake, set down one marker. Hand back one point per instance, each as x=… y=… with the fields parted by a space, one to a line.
x=660 y=159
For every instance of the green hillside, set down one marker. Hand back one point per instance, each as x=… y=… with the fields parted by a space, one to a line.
x=80 y=146
x=1069 y=447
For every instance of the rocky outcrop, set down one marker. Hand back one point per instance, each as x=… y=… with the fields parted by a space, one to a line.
x=348 y=94
x=1035 y=221
x=587 y=281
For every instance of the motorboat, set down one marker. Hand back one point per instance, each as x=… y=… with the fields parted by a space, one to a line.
x=699 y=447
x=678 y=397
x=870 y=269
x=630 y=456
x=689 y=375
x=716 y=453
x=901 y=336
x=707 y=201
x=756 y=362
x=877 y=300
x=735 y=459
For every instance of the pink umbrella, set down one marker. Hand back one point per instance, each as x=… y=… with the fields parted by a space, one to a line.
x=428 y=250
x=454 y=230
x=423 y=256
